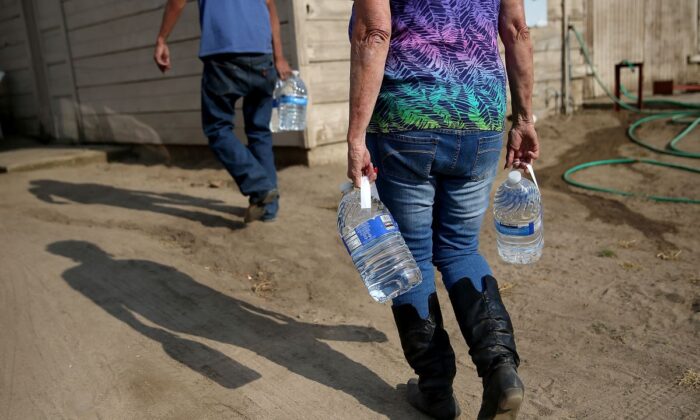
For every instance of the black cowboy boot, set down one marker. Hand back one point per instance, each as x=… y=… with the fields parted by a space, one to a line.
x=427 y=349
x=486 y=327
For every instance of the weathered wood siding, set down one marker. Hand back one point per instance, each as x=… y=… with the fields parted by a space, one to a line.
x=102 y=83
x=662 y=34
x=18 y=105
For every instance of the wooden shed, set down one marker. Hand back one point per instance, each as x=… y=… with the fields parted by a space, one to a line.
x=82 y=70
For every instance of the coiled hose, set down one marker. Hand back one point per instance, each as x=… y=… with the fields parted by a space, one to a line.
x=687 y=113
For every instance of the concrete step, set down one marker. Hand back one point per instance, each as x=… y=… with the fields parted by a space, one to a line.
x=32 y=158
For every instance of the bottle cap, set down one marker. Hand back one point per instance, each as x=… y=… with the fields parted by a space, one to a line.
x=346 y=186
x=514 y=177
x=295 y=73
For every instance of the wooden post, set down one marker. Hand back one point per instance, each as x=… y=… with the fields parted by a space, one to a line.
x=41 y=81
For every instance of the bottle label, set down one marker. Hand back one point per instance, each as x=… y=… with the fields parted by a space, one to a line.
x=523 y=229
x=275 y=103
x=369 y=231
x=293 y=100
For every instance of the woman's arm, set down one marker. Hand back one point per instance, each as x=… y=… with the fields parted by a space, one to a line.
x=369 y=48
x=523 y=144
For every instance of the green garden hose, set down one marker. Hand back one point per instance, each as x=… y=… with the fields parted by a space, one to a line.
x=688 y=114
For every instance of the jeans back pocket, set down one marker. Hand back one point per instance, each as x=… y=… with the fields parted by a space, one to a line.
x=405 y=156
x=487 y=156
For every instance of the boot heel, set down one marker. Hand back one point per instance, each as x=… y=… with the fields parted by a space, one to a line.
x=509 y=405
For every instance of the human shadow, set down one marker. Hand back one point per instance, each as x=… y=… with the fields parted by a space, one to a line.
x=51 y=191
x=177 y=304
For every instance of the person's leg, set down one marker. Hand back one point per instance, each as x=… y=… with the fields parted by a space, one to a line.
x=405 y=186
x=223 y=82
x=462 y=198
x=257 y=110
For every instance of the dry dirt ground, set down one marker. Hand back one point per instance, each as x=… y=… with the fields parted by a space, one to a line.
x=132 y=291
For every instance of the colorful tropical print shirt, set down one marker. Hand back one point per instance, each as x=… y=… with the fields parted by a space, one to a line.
x=443 y=70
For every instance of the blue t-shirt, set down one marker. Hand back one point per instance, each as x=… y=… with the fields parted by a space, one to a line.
x=234 y=26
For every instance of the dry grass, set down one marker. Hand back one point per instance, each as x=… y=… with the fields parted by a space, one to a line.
x=690 y=379
x=627 y=244
x=262 y=283
x=505 y=286
x=628 y=266
x=672 y=255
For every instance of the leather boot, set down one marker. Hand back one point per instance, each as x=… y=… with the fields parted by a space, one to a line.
x=487 y=328
x=426 y=346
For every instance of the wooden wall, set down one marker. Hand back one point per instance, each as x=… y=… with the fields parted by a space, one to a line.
x=18 y=104
x=102 y=83
x=662 y=34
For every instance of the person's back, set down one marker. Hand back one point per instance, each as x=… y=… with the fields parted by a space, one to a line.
x=443 y=70
x=427 y=109
x=241 y=50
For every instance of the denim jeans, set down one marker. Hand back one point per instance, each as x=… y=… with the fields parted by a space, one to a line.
x=436 y=184
x=227 y=78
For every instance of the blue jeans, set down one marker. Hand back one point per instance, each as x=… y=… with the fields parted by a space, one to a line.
x=436 y=184
x=227 y=78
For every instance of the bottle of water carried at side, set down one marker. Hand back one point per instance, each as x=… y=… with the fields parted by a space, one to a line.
x=517 y=211
x=275 y=117
x=375 y=244
x=293 y=99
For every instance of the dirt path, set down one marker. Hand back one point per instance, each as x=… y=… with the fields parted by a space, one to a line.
x=129 y=292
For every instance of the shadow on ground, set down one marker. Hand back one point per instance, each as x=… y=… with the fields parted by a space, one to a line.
x=176 y=303
x=56 y=192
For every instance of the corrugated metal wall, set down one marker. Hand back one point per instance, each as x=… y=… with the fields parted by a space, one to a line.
x=662 y=34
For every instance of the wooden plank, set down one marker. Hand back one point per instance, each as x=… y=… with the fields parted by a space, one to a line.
x=328 y=10
x=14 y=57
x=48 y=14
x=172 y=94
x=130 y=32
x=12 y=32
x=60 y=82
x=182 y=128
x=327 y=123
x=19 y=81
x=82 y=13
x=327 y=41
x=328 y=81
x=9 y=9
x=53 y=45
x=137 y=65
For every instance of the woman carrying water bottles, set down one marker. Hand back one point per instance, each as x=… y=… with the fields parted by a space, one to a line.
x=427 y=109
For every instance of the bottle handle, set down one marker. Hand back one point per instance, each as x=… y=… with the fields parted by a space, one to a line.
x=365 y=193
x=532 y=174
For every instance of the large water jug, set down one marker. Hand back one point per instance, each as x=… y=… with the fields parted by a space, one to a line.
x=375 y=244
x=292 y=100
x=275 y=117
x=517 y=212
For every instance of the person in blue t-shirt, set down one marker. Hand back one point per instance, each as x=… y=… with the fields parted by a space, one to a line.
x=242 y=54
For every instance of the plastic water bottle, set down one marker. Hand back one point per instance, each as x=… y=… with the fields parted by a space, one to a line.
x=517 y=212
x=275 y=117
x=293 y=99
x=375 y=244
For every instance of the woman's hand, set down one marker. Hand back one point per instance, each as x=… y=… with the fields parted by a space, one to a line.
x=523 y=145
x=359 y=163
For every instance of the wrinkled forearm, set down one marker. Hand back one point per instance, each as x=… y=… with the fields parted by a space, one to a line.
x=369 y=48
x=173 y=10
x=519 y=66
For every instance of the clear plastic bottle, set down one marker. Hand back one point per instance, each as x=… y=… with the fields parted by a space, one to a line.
x=275 y=117
x=376 y=246
x=293 y=99
x=517 y=211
